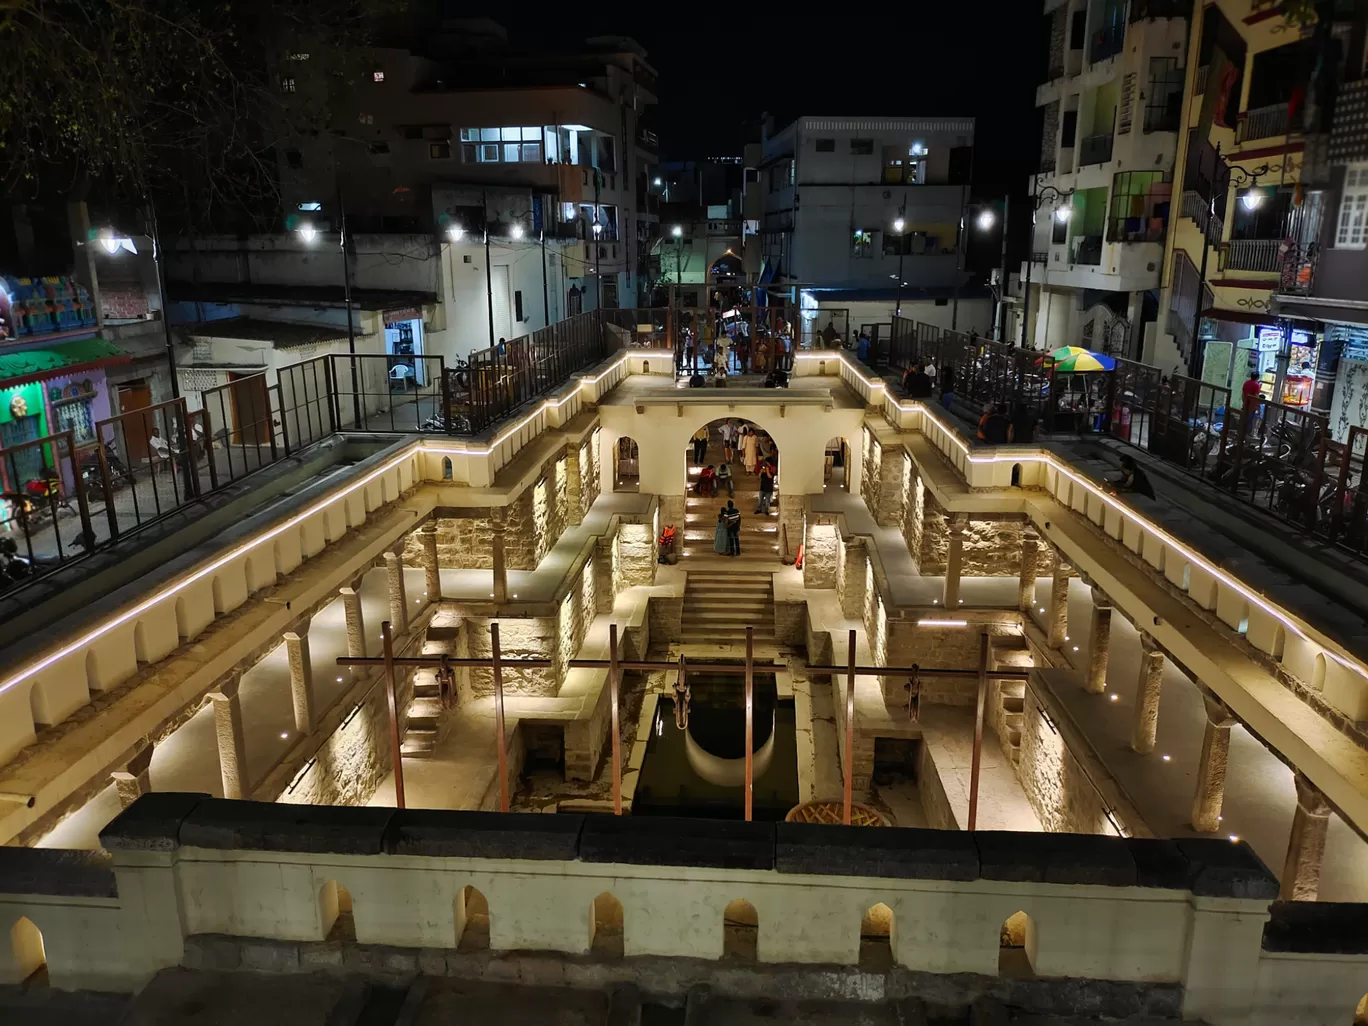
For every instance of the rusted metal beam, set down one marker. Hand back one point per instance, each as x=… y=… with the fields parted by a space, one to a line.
x=613 y=674
x=849 y=731
x=978 y=730
x=497 y=665
x=396 y=747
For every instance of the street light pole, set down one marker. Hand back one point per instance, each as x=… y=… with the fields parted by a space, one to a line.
x=489 y=272
x=1002 y=285
x=347 y=300
x=901 y=225
x=1036 y=200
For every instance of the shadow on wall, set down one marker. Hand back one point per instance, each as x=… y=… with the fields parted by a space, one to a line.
x=26 y=941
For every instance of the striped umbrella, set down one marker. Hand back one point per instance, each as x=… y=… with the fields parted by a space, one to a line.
x=1076 y=359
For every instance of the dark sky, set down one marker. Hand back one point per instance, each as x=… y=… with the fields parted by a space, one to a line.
x=722 y=64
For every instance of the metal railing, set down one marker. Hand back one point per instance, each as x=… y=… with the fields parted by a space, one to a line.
x=1200 y=82
x=1107 y=42
x=1086 y=250
x=1262 y=122
x=1254 y=255
x=1198 y=210
x=1095 y=149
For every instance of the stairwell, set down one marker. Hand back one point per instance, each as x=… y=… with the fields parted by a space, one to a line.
x=424 y=719
x=720 y=604
x=1010 y=651
x=759 y=531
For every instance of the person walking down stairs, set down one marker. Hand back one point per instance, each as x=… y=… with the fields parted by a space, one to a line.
x=762 y=505
x=700 y=444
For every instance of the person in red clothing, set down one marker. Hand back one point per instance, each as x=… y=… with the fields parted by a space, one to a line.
x=1252 y=395
x=707 y=481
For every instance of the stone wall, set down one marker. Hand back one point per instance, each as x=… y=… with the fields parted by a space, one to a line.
x=590 y=471
x=935 y=538
x=895 y=485
x=527 y=637
x=939 y=815
x=951 y=647
x=916 y=512
x=1056 y=786
x=821 y=556
x=871 y=457
x=634 y=556
x=352 y=762
x=992 y=547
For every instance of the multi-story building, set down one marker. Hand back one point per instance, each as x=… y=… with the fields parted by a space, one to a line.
x=526 y=173
x=1323 y=289
x=1110 y=117
x=836 y=191
x=1238 y=197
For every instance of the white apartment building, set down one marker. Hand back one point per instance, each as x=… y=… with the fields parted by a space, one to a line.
x=1110 y=114
x=512 y=186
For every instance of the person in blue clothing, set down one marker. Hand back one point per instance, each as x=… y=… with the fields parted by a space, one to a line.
x=862 y=348
x=721 y=536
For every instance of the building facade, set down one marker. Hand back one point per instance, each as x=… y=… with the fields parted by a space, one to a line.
x=1110 y=116
x=835 y=190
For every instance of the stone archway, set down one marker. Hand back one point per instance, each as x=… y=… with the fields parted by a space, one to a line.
x=752 y=459
x=626 y=464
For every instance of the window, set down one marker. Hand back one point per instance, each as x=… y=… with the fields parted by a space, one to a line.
x=439 y=151
x=366 y=119
x=1352 y=230
x=294 y=159
x=862 y=244
x=378 y=76
x=826 y=145
x=862 y=147
x=379 y=148
x=287 y=85
x=792 y=172
x=501 y=145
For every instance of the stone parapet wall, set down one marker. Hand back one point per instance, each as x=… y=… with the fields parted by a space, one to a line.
x=935 y=802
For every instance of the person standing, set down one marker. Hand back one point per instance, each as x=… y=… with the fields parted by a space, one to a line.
x=721 y=536
x=947 y=386
x=766 y=489
x=700 y=444
x=728 y=441
x=750 y=446
x=1252 y=395
x=733 y=518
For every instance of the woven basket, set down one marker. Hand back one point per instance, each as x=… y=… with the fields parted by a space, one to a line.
x=830 y=812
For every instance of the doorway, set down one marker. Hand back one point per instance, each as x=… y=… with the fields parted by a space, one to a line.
x=502 y=299
x=134 y=396
x=753 y=467
x=251 y=409
x=610 y=293
x=836 y=467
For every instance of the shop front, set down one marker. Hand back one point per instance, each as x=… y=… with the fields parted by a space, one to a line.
x=404 y=346
x=45 y=392
x=1257 y=349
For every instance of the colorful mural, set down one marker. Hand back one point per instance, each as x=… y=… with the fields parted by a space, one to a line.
x=37 y=306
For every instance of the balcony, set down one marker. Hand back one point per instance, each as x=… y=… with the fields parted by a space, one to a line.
x=647 y=140
x=1254 y=255
x=1198 y=210
x=1086 y=250
x=1263 y=123
x=1095 y=149
x=1107 y=43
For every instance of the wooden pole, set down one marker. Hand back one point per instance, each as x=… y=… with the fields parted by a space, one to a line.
x=849 y=732
x=750 y=723
x=396 y=753
x=613 y=672
x=499 y=744
x=978 y=730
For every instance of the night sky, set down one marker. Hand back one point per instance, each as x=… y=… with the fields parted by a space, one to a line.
x=721 y=65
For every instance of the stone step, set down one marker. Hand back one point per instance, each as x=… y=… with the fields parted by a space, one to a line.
x=743 y=587
x=1014 y=738
x=1013 y=689
x=413 y=748
x=1013 y=703
x=1014 y=721
x=425 y=705
x=727 y=606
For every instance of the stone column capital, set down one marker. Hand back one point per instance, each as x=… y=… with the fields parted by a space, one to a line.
x=1029 y=533
x=226 y=690
x=346 y=592
x=1310 y=798
x=1148 y=645
x=392 y=559
x=956 y=523
x=429 y=526
x=1218 y=714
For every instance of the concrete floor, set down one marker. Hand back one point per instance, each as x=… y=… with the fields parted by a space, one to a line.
x=1260 y=799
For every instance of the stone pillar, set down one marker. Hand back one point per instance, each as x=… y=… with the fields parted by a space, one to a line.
x=232 y=749
x=1099 y=643
x=356 y=624
x=301 y=679
x=398 y=600
x=1211 y=771
x=1026 y=588
x=955 y=524
x=432 y=571
x=500 y=587
x=1147 y=694
x=135 y=779
x=1058 y=613
x=574 y=487
x=1306 y=846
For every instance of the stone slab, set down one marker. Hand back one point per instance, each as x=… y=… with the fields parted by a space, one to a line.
x=56 y=871
x=1159 y=863
x=670 y=841
x=906 y=853
x=152 y=823
x=1055 y=858
x=1319 y=927
x=483 y=835
x=1227 y=869
x=267 y=826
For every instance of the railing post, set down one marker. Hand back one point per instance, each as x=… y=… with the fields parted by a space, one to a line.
x=446 y=396
x=110 y=513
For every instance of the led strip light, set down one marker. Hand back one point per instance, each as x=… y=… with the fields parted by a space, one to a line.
x=1060 y=467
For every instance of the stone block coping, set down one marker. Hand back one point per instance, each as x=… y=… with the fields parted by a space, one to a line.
x=83 y=874
x=1317 y=927
x=1207 y=867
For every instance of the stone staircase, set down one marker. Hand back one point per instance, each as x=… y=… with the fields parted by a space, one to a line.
x=1010 y=651
x=759 y=532
x=424 y=721
x=719 y=605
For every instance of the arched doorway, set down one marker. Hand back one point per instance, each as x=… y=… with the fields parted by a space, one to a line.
x=472 y=920
x=751 y=482
x=876 y=937
x=26 y=941
x=1017 y=946
x=740 y=931
x=836 y=467
x=626 y=465
x=605 y=921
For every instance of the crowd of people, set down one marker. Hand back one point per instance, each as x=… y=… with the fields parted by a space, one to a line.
x=759 y=457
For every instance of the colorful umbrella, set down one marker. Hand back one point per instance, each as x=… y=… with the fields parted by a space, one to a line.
x=1076 y=359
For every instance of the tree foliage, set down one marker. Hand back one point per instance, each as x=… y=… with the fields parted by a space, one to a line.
x=178 y=100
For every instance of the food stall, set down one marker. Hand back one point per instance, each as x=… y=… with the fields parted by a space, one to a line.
x=1078 y=389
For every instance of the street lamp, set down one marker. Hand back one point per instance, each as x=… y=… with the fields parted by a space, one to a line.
x=1225 y=176
x=678 y=232
x=900 y=223
x=455 y=232
x=308 y=233
x=986 y=220
x=516 y=231
x=598 y=275
x=1062 y=213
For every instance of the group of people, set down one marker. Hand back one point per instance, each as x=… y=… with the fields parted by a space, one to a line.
x=920 y=382
x=1000 y=424
x=758 y=455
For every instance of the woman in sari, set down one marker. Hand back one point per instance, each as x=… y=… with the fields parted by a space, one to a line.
x=720 y=536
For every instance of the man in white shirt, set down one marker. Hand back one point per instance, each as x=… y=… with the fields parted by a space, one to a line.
x=728 y=440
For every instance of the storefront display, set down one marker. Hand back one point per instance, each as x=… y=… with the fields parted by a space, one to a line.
x=404 y=344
